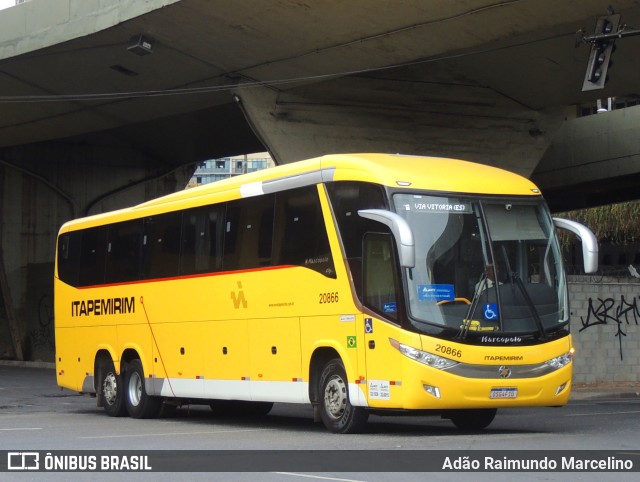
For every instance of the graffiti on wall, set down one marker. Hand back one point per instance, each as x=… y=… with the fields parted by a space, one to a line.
x=608 y=311
x=43 y=335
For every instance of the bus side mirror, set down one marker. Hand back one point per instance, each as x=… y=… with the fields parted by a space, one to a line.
x=401 y=232
x=589 y=242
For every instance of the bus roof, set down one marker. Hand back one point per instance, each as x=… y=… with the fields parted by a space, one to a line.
x=393 y=170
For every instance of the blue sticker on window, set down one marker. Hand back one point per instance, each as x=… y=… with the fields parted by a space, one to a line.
x=389 y=307
x=490 y=311
x=436 y=292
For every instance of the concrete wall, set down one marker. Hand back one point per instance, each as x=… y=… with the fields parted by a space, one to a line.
x=41 y=187
x=605 y=313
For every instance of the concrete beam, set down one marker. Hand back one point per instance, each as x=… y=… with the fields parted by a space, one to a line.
x=42 y=23
x=400 y=113
x=593 y=160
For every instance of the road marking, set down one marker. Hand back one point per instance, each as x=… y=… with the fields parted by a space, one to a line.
x=293 y=474
x=209 y=432
x=19 y=428
x=599 y=413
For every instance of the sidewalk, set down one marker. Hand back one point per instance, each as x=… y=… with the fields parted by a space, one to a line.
x=28 y=364
x=606 y=390
x=579 y=392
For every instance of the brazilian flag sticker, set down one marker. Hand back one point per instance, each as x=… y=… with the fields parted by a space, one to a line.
x=352 y=342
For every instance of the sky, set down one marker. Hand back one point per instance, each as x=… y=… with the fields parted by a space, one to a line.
x=7 y=3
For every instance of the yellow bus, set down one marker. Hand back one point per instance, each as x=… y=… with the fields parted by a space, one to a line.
x=354 y=283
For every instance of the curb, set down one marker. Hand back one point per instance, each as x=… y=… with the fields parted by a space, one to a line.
x=595 y=393
x=28 y=364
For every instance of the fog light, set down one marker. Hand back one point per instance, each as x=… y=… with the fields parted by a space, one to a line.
x=560 y=388
x=431 y=390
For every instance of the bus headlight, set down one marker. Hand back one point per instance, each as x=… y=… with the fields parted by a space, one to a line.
x=424 y=357
x=561 y=361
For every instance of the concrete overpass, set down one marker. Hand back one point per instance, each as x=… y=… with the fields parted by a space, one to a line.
x=106 y=103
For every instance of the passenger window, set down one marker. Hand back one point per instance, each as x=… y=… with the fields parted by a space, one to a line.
x=93 y=256
x=202 y=235
x=300 y=237
x=123 y=251
x=69 y=246
x=161 y=245
x=248 y=233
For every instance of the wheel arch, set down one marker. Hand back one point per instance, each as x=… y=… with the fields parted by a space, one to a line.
x=319 y=358
x=130 y=354
x=105 y=355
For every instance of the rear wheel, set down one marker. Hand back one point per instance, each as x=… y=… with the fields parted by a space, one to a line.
x=112 y=391
x=336 y=411
x=472 y=419
x=139 y=403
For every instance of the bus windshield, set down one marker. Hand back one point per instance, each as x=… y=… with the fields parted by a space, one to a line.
x=483 y=265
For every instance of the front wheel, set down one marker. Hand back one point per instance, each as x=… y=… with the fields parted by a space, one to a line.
x=139 y=403
x=112 y=391
x=468 y=419
x=336 y=411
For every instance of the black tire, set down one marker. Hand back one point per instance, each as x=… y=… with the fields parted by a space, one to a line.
x=112 y=391
x=469 y=419
x=336 y=411
x=139 y=403
x=241 y=408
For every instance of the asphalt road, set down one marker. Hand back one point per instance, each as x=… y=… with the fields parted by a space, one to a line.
x=36 y=415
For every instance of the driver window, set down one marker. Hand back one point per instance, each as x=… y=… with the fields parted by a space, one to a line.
x=380 y=275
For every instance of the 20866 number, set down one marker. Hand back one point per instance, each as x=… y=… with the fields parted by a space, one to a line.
x=331 y=297
x=447 y=350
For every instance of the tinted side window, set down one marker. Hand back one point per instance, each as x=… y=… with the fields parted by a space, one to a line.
x=69 y=257
x=202 y=235
x=300 y=236
x=161 y=245
x=346 y=199
x=123 y=251
x=248 y=233
x=93 y=256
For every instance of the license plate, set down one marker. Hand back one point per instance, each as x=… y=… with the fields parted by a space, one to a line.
x=503 y=393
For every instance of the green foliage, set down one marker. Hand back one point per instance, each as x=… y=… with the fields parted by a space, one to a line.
x=614 y=223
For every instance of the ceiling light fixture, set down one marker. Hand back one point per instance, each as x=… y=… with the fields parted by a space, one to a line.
x=141 y=45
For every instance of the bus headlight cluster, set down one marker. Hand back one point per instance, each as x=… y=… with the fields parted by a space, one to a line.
x=561 y=361
x=427 y=358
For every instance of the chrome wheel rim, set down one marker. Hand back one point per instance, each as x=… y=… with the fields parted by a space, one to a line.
x=335 y=397
x=135 y=389
x=110 y=388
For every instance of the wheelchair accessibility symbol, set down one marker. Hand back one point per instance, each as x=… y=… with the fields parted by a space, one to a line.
x=490 y=311
x=368 y=325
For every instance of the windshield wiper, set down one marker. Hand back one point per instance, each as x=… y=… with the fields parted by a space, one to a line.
x=530 y=305
x=482 y=285
x=514 y=276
